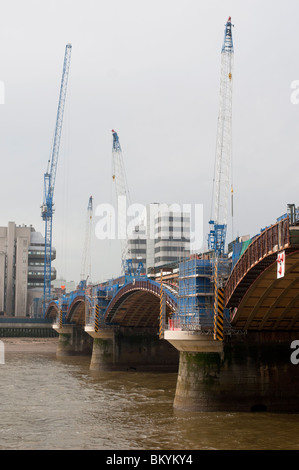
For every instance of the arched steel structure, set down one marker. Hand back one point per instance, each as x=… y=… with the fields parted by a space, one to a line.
x=137 y=304
x=52 y=310
x=258 y=300
x=76 y=311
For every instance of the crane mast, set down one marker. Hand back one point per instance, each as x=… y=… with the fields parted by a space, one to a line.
x=217 y=234
x=86 y=263
x=122 y=196
x=50 y=176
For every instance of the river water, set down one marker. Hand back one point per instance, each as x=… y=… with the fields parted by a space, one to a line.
x=48 y=403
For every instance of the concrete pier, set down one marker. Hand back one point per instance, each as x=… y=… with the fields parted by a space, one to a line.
x=131 y=349
x=251 y=372
x=102 y=357
x=73 y=341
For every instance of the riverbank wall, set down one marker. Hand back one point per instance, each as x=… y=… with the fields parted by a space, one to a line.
x=16 y=327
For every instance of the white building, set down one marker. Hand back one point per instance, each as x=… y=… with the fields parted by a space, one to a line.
x=137 y=246
x=68 y=285
x=172 y=237
x=161 y=237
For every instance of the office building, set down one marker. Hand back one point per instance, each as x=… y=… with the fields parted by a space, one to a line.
x=22 y=252
x=161 y=237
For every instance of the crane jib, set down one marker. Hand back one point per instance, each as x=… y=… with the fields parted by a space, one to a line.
x=49 y=178
x=221 y=190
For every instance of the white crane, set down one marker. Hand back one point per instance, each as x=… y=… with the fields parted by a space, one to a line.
x=122 y=198
x=86 y=257
x=221 y=189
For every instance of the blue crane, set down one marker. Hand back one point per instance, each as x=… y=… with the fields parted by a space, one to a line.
x=50 y=176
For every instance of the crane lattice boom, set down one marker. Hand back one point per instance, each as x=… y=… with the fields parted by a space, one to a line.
x=50 y=176
x=223 y=146
x=86 y=262
x=122 y=196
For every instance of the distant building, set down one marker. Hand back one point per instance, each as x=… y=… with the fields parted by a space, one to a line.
x=172 y=237
x=137 y=246
x=22 y=252
x=161 y=237
x=69 y=286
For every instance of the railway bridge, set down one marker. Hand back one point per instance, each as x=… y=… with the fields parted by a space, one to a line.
x=120 y=323
x=250 y=368
x=141 y=323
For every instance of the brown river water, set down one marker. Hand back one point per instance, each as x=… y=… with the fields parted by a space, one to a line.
x=49 y=403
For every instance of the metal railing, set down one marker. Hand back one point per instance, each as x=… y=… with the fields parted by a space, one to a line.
x=273 y=239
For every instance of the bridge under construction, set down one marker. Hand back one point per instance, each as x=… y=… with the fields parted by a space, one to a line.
x=224 y=318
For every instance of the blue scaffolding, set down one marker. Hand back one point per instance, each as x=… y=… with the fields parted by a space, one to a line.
x=196 y=296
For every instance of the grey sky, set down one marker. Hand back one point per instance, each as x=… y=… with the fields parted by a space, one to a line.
x=149 y=70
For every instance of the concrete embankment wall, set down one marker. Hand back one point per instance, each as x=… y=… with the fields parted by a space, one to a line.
x=12 y=327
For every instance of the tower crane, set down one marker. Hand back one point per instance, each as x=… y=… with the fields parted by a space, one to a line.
x=86 y=264
x=217 y=234
x=47 y=207
x=122 y=198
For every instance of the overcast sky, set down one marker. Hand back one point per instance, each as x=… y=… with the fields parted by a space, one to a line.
x=150 y=70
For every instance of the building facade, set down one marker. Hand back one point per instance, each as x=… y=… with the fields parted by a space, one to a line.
x=172 y=237
x=161 y=237
x=137 y=246
x=22 y=252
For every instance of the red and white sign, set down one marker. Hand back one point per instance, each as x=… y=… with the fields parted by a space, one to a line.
x=280 y=264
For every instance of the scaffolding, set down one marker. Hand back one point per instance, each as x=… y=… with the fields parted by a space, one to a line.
x=96 y=303
x=195 y=309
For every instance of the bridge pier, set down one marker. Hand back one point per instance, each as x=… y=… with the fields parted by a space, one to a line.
x=199 y=364
x=125 y=348
x=102 y=357
x=72 y=341
x=251 y=372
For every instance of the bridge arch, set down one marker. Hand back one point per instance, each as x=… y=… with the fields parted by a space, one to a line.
x=257 y=299
x=52 y=311
x=76 y=311
x=137 y=304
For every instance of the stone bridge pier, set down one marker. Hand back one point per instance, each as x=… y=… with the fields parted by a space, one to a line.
x=73 y=341
x=243 y=373
x=128 y=348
